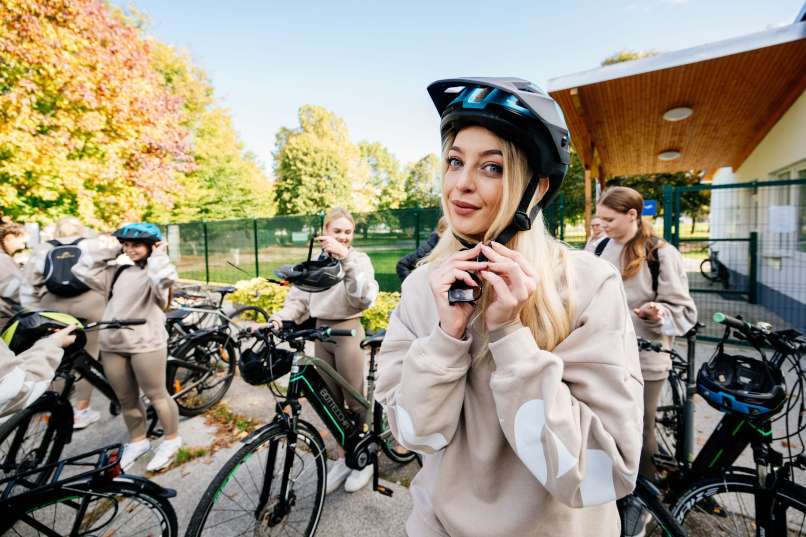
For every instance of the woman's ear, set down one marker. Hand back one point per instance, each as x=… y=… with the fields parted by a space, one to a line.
x=542 y=188
x=633 y=214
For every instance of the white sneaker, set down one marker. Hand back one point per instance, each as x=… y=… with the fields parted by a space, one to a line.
x=84 y=418
x=358 y=479
x=132 y=452
x=165 y=454
x=336 y=475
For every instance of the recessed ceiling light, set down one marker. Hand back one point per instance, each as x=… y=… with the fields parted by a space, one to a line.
x=669 y=154
x=678 y=114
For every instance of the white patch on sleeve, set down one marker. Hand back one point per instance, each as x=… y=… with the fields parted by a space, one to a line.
x=35 y=390
x=12 y=288
x=597 y=486
x=405 y=428
x=530 y=420
x=11 y=385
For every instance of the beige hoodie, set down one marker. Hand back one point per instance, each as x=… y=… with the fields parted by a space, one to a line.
x=10 y=281
x=525 y=442
x=346 y=300
x=141 y=292
x=673 y=296
x=24 y=377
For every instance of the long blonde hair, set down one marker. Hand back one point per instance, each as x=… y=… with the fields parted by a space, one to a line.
x=549 y=312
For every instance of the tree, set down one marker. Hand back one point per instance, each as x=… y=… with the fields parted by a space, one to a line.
x=422 y=183
x=226 y=181
x=386 y=175
x=88 y=128
x=627 y=56
x=316 y=166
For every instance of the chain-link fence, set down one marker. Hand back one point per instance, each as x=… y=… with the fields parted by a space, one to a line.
x=752 y=260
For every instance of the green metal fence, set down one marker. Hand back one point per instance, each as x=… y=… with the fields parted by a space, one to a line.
x=751 y=260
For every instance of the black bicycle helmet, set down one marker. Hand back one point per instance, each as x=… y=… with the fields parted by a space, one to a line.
x=140 y=231
x=313 y=276
x=27 y=327
x=741 y=385
x=263 y=363
x=516 y=110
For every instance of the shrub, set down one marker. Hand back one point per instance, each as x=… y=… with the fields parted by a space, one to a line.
x=377 y=317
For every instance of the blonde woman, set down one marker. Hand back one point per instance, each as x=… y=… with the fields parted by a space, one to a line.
x=657 y=292
x=339 y=306
x=526 y=402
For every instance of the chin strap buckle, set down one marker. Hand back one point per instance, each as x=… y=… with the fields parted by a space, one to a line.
x=521 y=221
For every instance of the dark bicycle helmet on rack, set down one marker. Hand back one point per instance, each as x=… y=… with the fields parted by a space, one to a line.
x=27 y=327
x=263 y=362
x=141 y=231
x=741 y=385
x=516 y=110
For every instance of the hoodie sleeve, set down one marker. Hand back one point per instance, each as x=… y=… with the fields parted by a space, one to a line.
x=421 y=382
x=10 y=279
x=33 y=276
x=359 y=280
x=296 y=307
x=574 y=415
x=161 y=276
x=24 y=377
x=93 y=267
x=673 y=295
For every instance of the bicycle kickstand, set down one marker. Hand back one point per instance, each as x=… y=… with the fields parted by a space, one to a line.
x=377 y=487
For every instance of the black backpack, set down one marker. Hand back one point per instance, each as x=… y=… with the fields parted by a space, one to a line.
x=653 y=262
x=59 y=278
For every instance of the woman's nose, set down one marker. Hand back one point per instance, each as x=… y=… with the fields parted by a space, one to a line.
x=466 y=180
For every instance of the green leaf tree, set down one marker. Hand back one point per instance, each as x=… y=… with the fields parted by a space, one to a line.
x=422 y=183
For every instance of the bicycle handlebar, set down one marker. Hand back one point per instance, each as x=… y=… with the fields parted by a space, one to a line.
x=115 y=323
x=737 y=324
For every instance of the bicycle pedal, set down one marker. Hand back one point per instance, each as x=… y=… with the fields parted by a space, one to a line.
x=383 y=490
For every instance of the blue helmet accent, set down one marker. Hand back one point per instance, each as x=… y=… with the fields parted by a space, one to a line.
x=141 y=231
x=479 y=98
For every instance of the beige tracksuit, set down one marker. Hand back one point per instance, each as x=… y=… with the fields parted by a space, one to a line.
x=340 y=307
x=89 y=306
x=24 y=377
x=525 y=442
x=10 y=281
x=681 y=314
x=133 y=357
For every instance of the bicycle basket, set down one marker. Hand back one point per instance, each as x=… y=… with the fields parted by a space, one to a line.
x=741 y=385
x=264 y=363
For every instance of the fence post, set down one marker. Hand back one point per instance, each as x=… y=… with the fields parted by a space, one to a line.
x=668 y=210
x=416 y=228
x=206 y=255
x=257 y=262
x=753 y=272
x=562 y=217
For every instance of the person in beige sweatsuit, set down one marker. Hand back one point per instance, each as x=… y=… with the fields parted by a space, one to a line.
x=135 y=358
x=339 y=307
x=527 y=403
x=27 y=375
x=657 y=315
x=88 y=306
x=12 y=240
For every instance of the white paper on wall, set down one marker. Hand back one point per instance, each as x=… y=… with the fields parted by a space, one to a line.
x=783 y=218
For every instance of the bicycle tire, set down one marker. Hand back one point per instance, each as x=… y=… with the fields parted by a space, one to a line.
x=668 y=416
x=245 y=496
x=128 y=499
x=216 y=352
x=707 y=273
x=651 y=518
x=699 y=508
x=35 y=436
x=388 y=443
x=250 y=313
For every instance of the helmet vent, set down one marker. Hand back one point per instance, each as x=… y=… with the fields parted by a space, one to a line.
x=454 y=89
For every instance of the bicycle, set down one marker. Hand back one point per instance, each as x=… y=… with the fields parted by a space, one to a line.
x=714 y=270
x=97 y=499
x=711 y=497
x=275 y=482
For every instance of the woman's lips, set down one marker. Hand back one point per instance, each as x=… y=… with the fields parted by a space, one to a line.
x=464 y=209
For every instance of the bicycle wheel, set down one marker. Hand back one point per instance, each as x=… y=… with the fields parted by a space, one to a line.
x=723 y=506
x=253 y=314
x=201 y=372
x=706 y=269
x=642 y=513
x=118 y=508
x=35 y=436
x=668 y=422
x=390 y=447
x=232 y=503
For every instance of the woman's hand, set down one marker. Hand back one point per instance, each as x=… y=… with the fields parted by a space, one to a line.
x=64 y=337
x=333 y=247
x=513 y=281
x=453 y=318
x=160 y=248
x=651 y=311
x=273 y=324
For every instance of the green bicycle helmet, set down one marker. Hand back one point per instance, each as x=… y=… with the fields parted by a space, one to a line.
x=27 y=327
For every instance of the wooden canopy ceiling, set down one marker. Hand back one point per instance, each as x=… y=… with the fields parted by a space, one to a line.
x=738 y=89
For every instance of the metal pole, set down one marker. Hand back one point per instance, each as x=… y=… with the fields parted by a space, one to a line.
x=257 y=262
x=562 y=217
x=753 y=272
x=668 y=205
x=416 y=228
x=206 y=255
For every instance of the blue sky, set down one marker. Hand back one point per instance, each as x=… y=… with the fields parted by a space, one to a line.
x=370 y=62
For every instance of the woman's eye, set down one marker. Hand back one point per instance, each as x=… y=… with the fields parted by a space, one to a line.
x=453 y=162
x=494 y=169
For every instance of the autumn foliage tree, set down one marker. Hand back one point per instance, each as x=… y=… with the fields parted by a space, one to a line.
x=87 y=126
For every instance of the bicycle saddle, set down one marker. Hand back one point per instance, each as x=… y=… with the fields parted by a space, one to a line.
x=175 y=315
x=374 y=340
